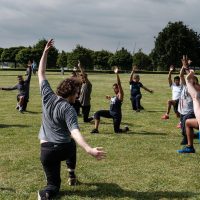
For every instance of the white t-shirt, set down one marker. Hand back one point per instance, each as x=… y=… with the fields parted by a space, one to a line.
x=185 y=105
x=176 y=91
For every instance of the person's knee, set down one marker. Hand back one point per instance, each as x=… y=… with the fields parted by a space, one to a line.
x=97 y=115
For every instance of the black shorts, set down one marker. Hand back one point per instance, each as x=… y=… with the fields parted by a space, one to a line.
x=176 y=106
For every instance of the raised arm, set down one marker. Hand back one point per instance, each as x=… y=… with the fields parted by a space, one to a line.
x=80 y=67
x=43 y=61
x=121 y=92
x=97 y=152
x=184 y=69
x=131 y=76
x=170 y=75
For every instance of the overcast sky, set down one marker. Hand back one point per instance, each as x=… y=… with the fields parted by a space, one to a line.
x=94 y=24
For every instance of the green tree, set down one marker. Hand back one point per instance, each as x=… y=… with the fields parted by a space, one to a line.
x=101 y=59
x=82 y=54
x=1 y=50
x=24 y=55
x=175 y=40
x=142 y=61
x=8 y=54
x=37 y=53
x=121 y=58
x=62 y=59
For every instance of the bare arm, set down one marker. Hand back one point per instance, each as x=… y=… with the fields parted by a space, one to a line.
x=121 y=92
x=170 y=75
x=184 y=69
x=81 y=68
x=97 y=152
x=148 y=90
x=131 y=76
x=43 y=61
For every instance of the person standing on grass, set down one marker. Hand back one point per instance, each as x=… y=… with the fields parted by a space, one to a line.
x=115 y=108
x=23 y=86
x=185 y=105
x=176 y=92
x=59 y=130
x=85 y=94
x=136 y=95
x=194 y=90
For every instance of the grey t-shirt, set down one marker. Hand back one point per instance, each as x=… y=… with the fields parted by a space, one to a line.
x=185 y=105
x=85 y=95
x=58 y=119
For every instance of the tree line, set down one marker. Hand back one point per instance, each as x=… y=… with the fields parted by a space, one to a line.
x=175 y=40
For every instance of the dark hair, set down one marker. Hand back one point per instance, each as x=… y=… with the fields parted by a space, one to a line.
x=176 y=78
x=68 y=87
x=19 y=76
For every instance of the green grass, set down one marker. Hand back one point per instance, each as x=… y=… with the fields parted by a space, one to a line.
x=142 y=164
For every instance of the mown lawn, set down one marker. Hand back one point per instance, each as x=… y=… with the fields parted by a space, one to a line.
x=142 y=164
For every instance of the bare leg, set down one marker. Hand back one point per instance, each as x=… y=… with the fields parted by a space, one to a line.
x=189 y=125
x=168 y=107
x=194 y=94
x=97 y=121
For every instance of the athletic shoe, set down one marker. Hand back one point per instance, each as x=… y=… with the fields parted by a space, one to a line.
x=94 y=131
x=43 y=195
x=187 y=149
x=73 y=182
x=165 y=116
x=126 y=128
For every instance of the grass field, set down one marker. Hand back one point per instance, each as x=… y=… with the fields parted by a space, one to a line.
x=142 y=164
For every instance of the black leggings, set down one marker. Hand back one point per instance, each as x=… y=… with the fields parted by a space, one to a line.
x=51 y=156
x=106 y=114
x=135 y=100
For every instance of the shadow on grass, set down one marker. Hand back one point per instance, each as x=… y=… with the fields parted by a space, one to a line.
x=161 y=111
x=13 y=125
x=7 y=189
x=112 y=190
x=31 y=112
x=147 y=133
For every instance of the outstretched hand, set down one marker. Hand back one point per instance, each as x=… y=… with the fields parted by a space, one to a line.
x=184 y=61
x=49 y=45
x=171 y=68
x=116 y=70
x=98 y=153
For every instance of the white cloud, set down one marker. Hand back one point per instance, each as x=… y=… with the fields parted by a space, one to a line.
x=93 y=24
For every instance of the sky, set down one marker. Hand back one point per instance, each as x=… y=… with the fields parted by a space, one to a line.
x=93 y=24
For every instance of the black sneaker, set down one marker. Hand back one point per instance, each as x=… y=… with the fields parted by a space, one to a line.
x=43 y=195
x=94 y=131
x=126 y=128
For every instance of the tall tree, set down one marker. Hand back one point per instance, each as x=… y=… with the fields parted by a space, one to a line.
x=9 y=54
x=121 y=58
x=62 y=59
x=101 y=59
x=175 y=40
x=82 y=54
x=37 y=53
x=142 y=61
